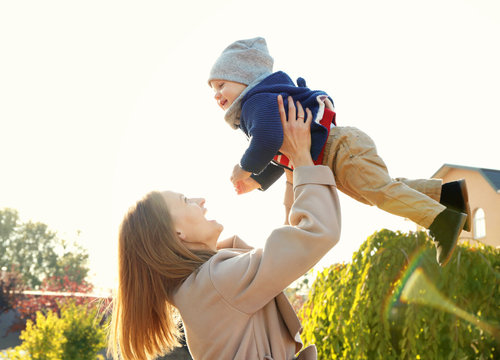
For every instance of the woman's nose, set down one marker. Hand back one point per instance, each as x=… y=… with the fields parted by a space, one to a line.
x=199 y=201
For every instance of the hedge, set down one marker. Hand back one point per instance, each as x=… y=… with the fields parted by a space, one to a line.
x=356 y=311
x=77 y=334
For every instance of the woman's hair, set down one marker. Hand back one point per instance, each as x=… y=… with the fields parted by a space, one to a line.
x=152 y=263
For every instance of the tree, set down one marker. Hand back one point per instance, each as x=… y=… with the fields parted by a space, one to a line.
x=72 y=263
x=10 y=286
x=8 y=222
x=358 y=311
x=35 y=252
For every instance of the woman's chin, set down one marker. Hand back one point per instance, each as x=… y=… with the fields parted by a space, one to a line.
x=213 y=221
x=220 y=226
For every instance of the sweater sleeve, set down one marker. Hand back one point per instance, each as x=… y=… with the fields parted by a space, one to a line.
x=262 y=120
x=250 y=280
x=269 y=176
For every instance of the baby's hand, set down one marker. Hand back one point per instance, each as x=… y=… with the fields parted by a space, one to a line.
x=247 y=185
x=239 y=175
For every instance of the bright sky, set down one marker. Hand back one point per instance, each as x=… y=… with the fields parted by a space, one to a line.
x=103 y=101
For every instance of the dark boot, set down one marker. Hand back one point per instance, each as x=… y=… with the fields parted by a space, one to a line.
x=454 y=196
x=445 y=230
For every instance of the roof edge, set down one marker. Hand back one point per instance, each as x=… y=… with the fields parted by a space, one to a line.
x=446 y=167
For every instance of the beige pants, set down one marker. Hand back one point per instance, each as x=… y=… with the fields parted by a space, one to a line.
x=362 y=174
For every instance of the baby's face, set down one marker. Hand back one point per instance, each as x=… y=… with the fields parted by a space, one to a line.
x=226 y=92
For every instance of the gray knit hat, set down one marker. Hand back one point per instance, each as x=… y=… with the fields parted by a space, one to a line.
x=243 y=61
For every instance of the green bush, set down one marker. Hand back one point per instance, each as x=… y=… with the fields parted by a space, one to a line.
x=84 y=336
x=75 y=335
x=355 y=311
x=41 y=340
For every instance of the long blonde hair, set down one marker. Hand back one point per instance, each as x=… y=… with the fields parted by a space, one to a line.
x=152 y=262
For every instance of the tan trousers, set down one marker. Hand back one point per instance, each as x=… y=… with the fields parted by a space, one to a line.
x=363 y=175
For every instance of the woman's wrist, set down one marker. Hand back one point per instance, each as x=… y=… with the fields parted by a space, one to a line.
x=302 y=159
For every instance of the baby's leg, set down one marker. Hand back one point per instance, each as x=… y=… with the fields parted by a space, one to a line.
x=429 y=187
x=363 y=175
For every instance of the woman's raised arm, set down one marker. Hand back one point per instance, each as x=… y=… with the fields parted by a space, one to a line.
x=252 y=279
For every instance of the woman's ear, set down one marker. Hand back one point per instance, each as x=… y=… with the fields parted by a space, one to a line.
x=181 y=235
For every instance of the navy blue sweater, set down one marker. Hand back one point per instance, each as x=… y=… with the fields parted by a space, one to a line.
x=260 y=121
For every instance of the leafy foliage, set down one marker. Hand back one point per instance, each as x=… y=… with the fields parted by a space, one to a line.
x=10 y=285
x=35 y=252
x=355 y=312
x=77 y=334
x=28 y=305
x=42 y=339
x=85 y=336
x=298 y=291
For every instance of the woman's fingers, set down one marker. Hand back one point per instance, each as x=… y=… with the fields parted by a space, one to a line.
x=296 y=132
x=294 y=113
x=300 y=111
x=309 y=116
x=291 y=109
x=281 y=108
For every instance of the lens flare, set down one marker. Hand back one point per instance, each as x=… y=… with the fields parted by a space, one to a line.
x=394 y=296
x=418 y=289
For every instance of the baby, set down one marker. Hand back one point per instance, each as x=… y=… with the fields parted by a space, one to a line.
x=247 y=89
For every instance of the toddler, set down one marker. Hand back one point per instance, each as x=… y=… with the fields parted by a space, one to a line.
x=247 y=89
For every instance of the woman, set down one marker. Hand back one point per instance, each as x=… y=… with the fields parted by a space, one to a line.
x=229 y=296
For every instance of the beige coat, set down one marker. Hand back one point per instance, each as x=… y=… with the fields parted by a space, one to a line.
x=233 y=306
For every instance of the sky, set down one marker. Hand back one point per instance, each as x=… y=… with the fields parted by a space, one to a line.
x=104 y=101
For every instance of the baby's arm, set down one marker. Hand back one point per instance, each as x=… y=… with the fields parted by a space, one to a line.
x=264 y=129
x=245 y=186
x=261 y=181
x=263 y=126
x=239 y=175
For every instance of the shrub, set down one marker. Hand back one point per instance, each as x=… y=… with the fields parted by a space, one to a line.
x=83 y=334
x=76 y=335
x=355 y=310
x=28 y=305
x=41 y=340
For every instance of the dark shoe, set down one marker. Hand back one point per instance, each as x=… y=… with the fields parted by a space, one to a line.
x=454 y=196
x=445 y=230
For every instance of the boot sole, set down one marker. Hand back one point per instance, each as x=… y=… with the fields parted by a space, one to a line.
x=450 y=253
x=465 y=195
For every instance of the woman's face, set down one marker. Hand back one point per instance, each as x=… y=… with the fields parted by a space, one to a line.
x=192 y=227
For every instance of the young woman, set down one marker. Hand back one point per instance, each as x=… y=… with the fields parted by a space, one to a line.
x=228 y=295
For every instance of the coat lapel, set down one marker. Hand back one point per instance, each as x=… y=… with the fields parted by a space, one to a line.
x=284 y=307
x=290 y=318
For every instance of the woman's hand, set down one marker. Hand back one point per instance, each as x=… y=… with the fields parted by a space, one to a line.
x=296 y=133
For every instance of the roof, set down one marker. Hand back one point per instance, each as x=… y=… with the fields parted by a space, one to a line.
x=490 y=175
